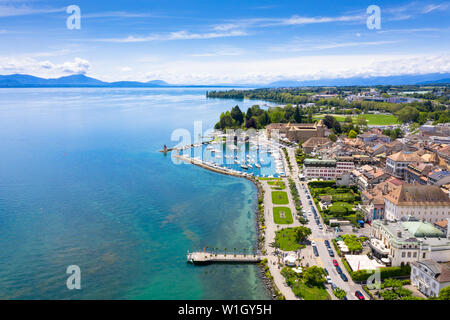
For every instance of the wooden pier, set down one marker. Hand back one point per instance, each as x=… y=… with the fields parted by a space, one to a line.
x=210 y=257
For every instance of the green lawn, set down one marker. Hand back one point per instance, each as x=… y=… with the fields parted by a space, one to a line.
x=372 y=119
x=278 y=185
x=310 y=293
x=381 y=119
x=280 y=197
x=278 y=212
x=287 y=239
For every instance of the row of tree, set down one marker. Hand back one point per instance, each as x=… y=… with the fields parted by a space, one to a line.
x=258 y=118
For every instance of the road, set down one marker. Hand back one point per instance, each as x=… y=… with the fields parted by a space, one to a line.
x=324 y=260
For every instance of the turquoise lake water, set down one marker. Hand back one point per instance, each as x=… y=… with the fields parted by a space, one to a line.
x=82 y=183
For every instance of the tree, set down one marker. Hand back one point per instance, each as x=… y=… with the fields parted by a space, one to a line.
x=226 y=121
x=309 y=115
x=314 y=276
x=444 y=294
x=303 y=233
x=264 y=119
x=352 y=134
x=237 y=115
x=298 y=115
x=337 y=128
x=408 y=114
x=329 y=121
x=332 y=137
x=249 y=114
x=251 y=123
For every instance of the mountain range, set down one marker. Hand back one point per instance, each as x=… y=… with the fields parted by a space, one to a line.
x=80 y=80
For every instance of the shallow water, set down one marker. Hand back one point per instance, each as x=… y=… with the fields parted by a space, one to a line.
x=82 y=183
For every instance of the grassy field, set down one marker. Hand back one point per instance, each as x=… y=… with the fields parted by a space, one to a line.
x=280 y=197
x=278 y=185
x=287 y=239
x=310 y=293
x=277 y=215
x=372 y=119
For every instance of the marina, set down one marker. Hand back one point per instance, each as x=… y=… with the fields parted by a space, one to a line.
x=257 y=156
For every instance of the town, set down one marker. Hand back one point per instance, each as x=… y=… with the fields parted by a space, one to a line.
x=361 y=210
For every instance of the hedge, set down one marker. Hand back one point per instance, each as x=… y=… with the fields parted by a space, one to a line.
x=322 y=184
x=388 y=272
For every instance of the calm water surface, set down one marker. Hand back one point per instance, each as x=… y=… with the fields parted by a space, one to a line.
x=82 y=183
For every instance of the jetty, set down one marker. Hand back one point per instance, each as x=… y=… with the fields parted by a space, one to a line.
x=200 y=257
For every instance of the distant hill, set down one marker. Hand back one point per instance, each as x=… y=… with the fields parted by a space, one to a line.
x=441 y=81
x=78 y=80
x=432 y=78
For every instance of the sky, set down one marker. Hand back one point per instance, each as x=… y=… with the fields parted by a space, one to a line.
x=223 y=42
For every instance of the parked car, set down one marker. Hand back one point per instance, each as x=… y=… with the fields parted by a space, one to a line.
x=327 y=243
x=326 y=271
x=333 y=286
x=359 y=295
x=338 y=269
x=313 y=243
x=329 y=280
x=316 y=252
x=335 y=263
x=310 y=202
x=343 y=277
x=331 y=253
x=320 y=227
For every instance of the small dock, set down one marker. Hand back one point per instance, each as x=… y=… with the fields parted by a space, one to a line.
x=209 y=257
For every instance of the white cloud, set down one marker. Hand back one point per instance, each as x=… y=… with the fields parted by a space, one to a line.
x=434 y=7
x=300 y=47
x=44 y=68
x=298 y=68
x=24 y=10
x=177 y=35
x=125 y=69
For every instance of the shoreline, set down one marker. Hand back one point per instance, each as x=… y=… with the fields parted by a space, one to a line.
x=270 y=286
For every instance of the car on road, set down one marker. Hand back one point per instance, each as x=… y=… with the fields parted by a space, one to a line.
x=343 y=277
x=338 y=269
x=313 y=243
x=359 y=295
x=327 y=243
x=320 y=227
x=335 y=263
x=316 y=252
x=331 y=253
x=310 y=202
x=326 y=271
x=344 y=298
x=333 y=286
x=329 y=280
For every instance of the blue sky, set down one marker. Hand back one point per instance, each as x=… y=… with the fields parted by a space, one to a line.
x=212 y=42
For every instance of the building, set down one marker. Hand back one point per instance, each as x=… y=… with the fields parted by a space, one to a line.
x=439 y=177
x=312 y=143
x=417 y=173
x=405 y=242
x=427 y=203
x=326 y=169
x=398 y=162
x=430 y=277
x=298 y=131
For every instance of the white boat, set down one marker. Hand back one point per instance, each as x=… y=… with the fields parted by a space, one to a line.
x=250 y=166
x=244 y=167
x=258 y=166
